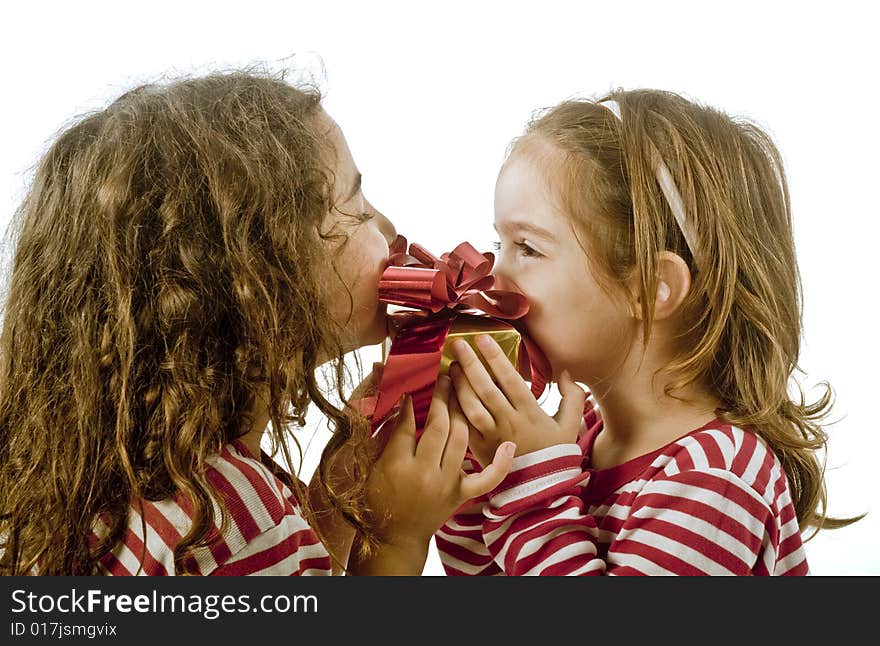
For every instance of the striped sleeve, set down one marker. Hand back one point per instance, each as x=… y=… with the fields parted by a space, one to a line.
x=461 y=549
x=459 y=541
x=534 y=523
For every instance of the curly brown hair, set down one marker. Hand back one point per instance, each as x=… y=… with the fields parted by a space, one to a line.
x=169 y=269
x=744 y=306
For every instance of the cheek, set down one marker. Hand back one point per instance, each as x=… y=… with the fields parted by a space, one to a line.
x=575 y=327
x=551 y=316
x=555 y=324
x=365 y=291
x=364 y=264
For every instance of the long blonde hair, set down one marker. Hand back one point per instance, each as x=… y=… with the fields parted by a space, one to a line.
x=744 y=305
x=168 y=271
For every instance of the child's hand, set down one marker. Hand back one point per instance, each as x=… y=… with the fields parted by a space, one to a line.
x=416 y=486
x=508 y=411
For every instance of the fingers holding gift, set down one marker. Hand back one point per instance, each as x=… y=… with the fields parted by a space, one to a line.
x=434 y=437
x=414 y=487
x=501 y=374
x=457 y=444
x=495 y=462
x=402 y=439
x=472 y=404
x=508 y=378
x=480 y=380
x=513 y=414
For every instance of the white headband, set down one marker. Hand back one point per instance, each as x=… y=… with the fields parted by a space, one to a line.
x=670 y=192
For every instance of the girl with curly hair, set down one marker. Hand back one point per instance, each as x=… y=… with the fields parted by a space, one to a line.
x=186 y=260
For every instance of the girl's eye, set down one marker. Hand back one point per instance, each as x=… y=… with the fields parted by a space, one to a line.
x=525 y=249
x=358 y=217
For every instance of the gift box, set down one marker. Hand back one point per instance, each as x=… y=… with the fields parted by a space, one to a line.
x=466 y=327
x=433 y=301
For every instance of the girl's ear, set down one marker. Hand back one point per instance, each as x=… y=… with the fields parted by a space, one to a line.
x=673 y=285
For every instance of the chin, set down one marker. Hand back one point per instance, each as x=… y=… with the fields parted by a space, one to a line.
x=375 y=333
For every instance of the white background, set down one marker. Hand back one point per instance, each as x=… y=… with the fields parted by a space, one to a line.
x=429 y=98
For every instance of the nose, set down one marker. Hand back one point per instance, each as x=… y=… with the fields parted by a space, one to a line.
x=386 y=226
x=502 y=277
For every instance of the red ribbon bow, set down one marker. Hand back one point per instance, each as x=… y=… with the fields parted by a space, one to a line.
x=440 y=289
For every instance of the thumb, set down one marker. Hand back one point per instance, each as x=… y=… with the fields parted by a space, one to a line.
x=571 y=408
x=398 y=432
x=403 y=437
x=474 y=485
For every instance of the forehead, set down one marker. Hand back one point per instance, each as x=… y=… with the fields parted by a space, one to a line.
x=525 y=189
x=331 y=130
x=340 y=158
x=535 y=162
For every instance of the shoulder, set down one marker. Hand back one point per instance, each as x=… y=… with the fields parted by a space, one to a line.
x=269 y=533
x=729 y=453
x=734 y=485
x=266 y=531
x=252 y=492
x=721 y=446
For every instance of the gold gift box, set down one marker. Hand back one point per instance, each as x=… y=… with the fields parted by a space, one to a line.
x=466 y=327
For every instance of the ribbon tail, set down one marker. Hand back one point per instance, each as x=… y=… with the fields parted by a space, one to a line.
x=412 y=367
x=533 y=360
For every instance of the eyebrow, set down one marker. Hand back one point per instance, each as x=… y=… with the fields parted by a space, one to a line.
x=355 y=187
x=519 y=225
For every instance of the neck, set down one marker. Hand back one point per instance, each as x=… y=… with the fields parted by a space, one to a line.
x=260 y=414
x=639 y=417
x=254 y=436
x=652 y=413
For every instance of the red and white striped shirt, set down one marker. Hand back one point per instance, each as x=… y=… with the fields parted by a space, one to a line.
x=267 y=533
x=714 y=502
